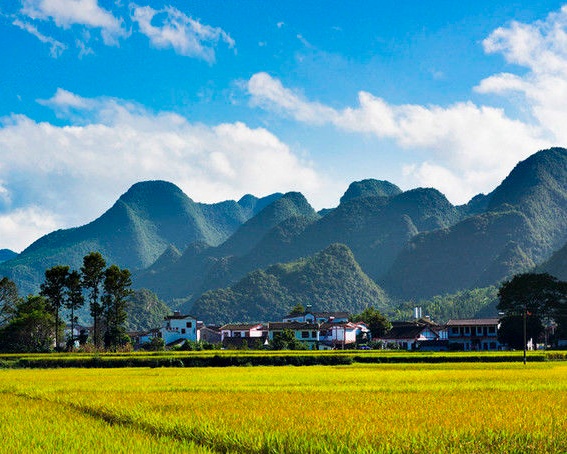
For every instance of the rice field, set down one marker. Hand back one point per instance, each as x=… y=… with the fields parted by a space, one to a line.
x=464 y=407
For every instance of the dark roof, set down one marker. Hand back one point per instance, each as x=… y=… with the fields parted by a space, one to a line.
x=240 y=326
x=474 y=322
x=277 y=326
x=406 y=330
x=178 y=316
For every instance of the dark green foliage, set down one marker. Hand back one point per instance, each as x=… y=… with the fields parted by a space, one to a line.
x=330 y=280
x=376 y=322
x=92 y=275
x=478 y=302
x=74 y=300
x=8 y=300
x=145 y=311
x=537 y=298
x=286 y=340
x=116 y=287
x=53 y=290
x=556 y=265
x=31 y=329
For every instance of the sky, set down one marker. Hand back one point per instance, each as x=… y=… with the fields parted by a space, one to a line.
x=255 y=97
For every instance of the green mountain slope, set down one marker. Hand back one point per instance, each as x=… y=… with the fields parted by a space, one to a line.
x=556 y=265
x=370 y=188
x=202 y=268
x=526 y=219
x=7 y=254
x=329 y=280
x=134 y=232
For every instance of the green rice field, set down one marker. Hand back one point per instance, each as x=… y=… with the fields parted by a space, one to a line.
x=460 y=407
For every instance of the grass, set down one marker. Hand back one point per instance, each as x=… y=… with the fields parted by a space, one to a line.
x=464 y=407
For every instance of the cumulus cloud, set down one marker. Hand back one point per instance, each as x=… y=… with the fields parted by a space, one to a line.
x=21 y=225
x=78 y=171
x=478 y=145
x=66 y=13
x=170 y=28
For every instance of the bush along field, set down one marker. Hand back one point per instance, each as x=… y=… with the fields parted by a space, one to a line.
x=464 y=407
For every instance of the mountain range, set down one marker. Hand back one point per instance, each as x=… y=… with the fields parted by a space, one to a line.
x=242 y=260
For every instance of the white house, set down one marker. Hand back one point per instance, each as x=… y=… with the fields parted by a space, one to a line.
x=241 y=330
x=338 y=335
x=414 y=335
x=176 y=327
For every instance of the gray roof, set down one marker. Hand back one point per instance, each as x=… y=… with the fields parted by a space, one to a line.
x=474 y=322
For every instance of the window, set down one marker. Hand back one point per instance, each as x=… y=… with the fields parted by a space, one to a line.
x=455 y=330
x=304 y=334
x=237 y=334
x=189 y=324
x=467 y=330
x=491 y=330
x=479 y=330
x=182 y=330
x=313 y=334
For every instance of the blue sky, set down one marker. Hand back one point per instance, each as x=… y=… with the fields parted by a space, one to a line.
x=229 y=98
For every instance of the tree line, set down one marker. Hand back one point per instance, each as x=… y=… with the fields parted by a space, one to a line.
x=35 y=322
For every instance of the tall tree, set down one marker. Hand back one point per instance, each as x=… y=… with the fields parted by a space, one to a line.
x=31 y=328
x=53 y=289
x=8 y=300
x=530 y=300
x=92 y=273
x=74 y=300
x=376 y=322
x=117 y=284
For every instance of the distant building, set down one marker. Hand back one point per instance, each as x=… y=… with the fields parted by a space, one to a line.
x=474 y=334
x=421 y=334
x=176 y=328
x=343 y=334
x=307 y=332
x=317 y=317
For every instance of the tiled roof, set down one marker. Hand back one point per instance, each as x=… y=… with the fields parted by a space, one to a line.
x=240 y=326
x=474 y=322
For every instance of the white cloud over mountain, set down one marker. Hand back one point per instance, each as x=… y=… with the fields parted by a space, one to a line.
x=76 y=171
x=463 y=148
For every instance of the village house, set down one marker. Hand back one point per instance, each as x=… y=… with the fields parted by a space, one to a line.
x=236 y=335
x=420 y=334
x=474 y=334
x=341 y=335
x=176 y=328
x=307 y=332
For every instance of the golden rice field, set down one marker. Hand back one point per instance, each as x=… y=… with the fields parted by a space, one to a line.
x=465 y=407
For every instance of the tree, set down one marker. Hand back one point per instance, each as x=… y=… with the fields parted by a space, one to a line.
x=31 y=328
x=8 y=300
x=74 y=300
x=116 y=286
x=376 y=322
x=298 y=309
x=92 y=275
x=286 y=340
x=532 y=300
x=53 y=289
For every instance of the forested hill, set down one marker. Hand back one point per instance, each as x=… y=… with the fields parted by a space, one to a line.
x=135 y=231
x=7 y=254
x=330 y=280
x=524 y=222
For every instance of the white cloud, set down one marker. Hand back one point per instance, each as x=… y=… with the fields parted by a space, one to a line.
x=20 y=226
x=463 y=139
x=79 y=171
x=66 y=13
x=183 y=34
x=57 y=48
